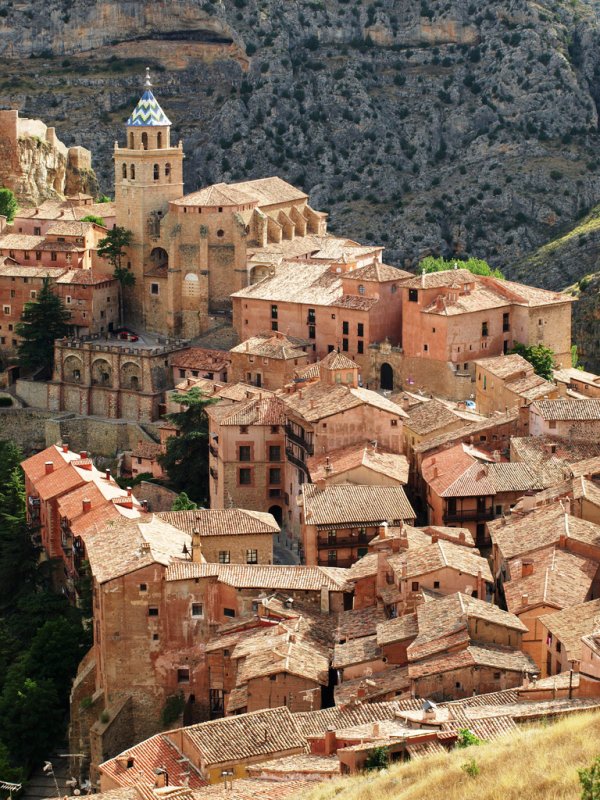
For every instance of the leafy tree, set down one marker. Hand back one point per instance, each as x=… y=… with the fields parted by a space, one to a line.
x=104 y=199
x=54 y=653
x=186 y=459
x=378 y=758
x=41 y=323
x=590 y=781
x=183 y=503
x=539 y=356
x=8 y=204
x=467 y=739
x=94 y=218
x=172 y=709
x=475 y=265
x=112 y=248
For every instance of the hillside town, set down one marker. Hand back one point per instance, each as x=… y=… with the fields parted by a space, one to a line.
x=397 y=532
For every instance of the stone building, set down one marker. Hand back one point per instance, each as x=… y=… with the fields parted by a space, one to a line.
x=199 y=362
x=507 y=382
x=112 y=378
x=566 y=418
x=268 y=360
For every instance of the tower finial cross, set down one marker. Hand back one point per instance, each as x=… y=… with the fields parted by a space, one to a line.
x=148 y=82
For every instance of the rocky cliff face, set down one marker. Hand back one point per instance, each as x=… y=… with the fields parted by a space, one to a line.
x=445 y=127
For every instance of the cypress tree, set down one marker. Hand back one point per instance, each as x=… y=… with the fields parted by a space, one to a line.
x=42 y=321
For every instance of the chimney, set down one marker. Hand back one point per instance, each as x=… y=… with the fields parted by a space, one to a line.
x=461 y=537
x=83 y=454
x=86 y=505
x=434 y=538
x=65 y=447
x=129 y=491
x=107 y=474
x=196 y=546
x=329 y=742
x=49 y=467
x=562 y=542
x=526 y=568
x=405 y=402
x=382 y=530
x=376 y=730
x=524 y=599
x=403 y=538
x=321 y=484
x=361 y=692
x=162 y=778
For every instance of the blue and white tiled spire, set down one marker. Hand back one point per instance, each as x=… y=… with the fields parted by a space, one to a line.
x=148 y=112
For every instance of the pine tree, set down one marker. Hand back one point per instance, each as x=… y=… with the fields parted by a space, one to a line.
x=8 y=204
x=41 y=323
x=186 y=459
x=112 y=248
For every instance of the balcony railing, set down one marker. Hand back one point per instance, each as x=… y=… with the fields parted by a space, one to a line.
x=340 y=562
x=298 y=439
x=297 y=462
x=469 y=515
x=344 y=541
x=275 y=493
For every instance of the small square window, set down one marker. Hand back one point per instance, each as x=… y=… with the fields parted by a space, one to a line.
x=251 y=556
x=153 y=611
x=436 y=584
x=229 y=612
x=496 y=676
x=415 y=586
x=197 y=610
x=154 y=288
x=243 y=429
x=224 y=557
x=413 y=295
x=245 y=476
x=155 y=637
x=183 y=675
x=143 y=587
x=394 y=423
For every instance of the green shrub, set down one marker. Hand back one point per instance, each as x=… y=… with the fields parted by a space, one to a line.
x=378 y=758
x=471 y=768
x=172 y=709
x=6 y=401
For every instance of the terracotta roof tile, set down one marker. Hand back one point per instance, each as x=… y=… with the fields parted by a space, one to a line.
x=158 y=751
x=430 y=416
x=570 y=624
x=221 y=521
x=437 y=556
x=568 y=409
x=358 y=622
x=257 y=411
x=248 y=736
x=275 y=346
x=259 y=576
x=356 y=651
x=253 y=789
x=303 y=762
x=465 y=433
x=398 y=630
x=200 y=358
x=393 y=681
x=337 y=462
x=148 y=450
x=482 y=655
x=350 y=503
x=315 y=723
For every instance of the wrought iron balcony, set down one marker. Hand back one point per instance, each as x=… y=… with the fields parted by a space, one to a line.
x=299 y=440
x=297 y=462
x=469 y=515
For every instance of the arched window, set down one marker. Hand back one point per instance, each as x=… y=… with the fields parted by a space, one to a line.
x=131 y=141
x=124 y=170
x=132 y=172
x=361 y=289
x=156 y=172
x=167 y=170
x=145 y=140
x=159 y=140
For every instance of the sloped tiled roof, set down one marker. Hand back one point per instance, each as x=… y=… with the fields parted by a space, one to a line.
x=440 y=555
x=505 y=366
x=221 y=521
x=393 y=681
x=359 y=622
x=315 y=723
x=570 y=624
x=158 y=751
x=344 y=502
x=201 y=359
x=256 y=411
x=275 y=346
x=568 y=409
x=356 y=651
x=247 y=736
x=262 y=576
x=147 y=112
x=336 y=462
x=398 y=629
x=475 y=655
x=431 y=416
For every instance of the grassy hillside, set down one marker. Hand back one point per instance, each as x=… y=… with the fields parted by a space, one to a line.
x=536 y=763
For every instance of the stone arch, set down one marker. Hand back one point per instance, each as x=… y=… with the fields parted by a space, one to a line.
x=159 y=257
x=131 y=141
x=132 y=172
x=159 y=140
x=144 y=140
x=168 y=171
x=386 y=377
x=131 y=376
x=191 y=285
x=258 y=273
x=156 y=172
x=277 y=512
x=124 y=168
x=72 y=369
x=102 y=372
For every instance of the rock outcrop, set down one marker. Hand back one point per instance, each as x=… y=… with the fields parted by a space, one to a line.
x=428 y=127
x=37 y=166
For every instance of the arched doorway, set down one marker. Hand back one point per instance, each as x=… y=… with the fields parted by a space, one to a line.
x=277 y=513
x=386 y=377
x=159 y=257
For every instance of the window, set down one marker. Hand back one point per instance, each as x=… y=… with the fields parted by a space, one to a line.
x=143 y=587
x=26 y=255
x=505 y=322
x=159 y=140
x=361 y=289
x=362 y=551
x=484 y=329
x=360 y=329
x=415 y=586
x=330 y=348
x=12 y=293
x=33 y=294
x=451 y=505
x=53 y=256
x=274 y=452
x=245 y=452
x=274 y=429
x=274 y=325
x=436 y=584
x=155 y=637
x=124 y=170
x=332 y=557
x=311 y=332
x=156 y=172
x=244 y=428
x=552 y=424
x=425 y=348
x=251 y=556
x=132 y=172
x=274 y=475
x=153 y=611
x=197 y=610
x=245 y=476
x=182 y=373
x=360 y=347
x=38 y=255
x=345 y=328
x=311 y=316
x=37 y=231
x=220 y=233
x=274 y=312
x=558 y=647
x=229 y=612
x=68 y=300
x=394 y=423
x=345 y=345
x=224 y=557
x=7 y=310
x=496 y=676
x=413 y=295
x=331 y=537
x=183 y=675
x=154 y=288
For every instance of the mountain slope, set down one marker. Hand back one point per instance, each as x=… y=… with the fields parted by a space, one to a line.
x=533 y=764
x=424 y=126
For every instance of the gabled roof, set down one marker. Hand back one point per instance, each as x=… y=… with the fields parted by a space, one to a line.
x=378 y=272
x=274 y=345
x=200 y=358
x=505 y=366
x=262 y=576
x=437 y=556
x=147 y=112
x=567 y=409
x=342 y=503
x=431 y=416
x=398 y=630
x=319 y=400
x=337 y=360
x=221 y=521
x=337 y=462
x=356 y=651
x=474 y=655
x=256 y=411
x=570 y=624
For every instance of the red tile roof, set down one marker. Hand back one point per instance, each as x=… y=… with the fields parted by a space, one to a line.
x=158 y=751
